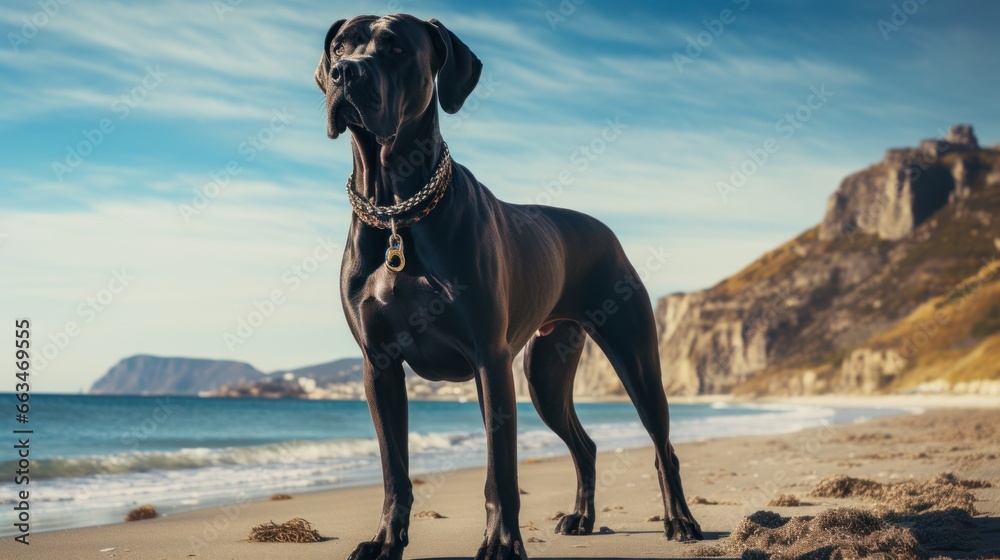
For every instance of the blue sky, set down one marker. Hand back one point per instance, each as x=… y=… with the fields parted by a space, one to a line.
x=212 y=185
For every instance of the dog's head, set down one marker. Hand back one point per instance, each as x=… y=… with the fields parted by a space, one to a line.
x=378 y=73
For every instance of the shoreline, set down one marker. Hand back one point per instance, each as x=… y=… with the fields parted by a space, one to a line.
x=902 y=401
x=537 y=443
x=350 y=513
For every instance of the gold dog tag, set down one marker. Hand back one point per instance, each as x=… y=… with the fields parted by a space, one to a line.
x=394 y=258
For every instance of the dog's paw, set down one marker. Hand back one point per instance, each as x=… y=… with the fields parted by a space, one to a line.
x=376 y=550
x=682 y=530
x=496 y=551
x=575 y=523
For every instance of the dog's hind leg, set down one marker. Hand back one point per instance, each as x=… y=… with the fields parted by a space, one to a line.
x=627 y=335
x=550 y=365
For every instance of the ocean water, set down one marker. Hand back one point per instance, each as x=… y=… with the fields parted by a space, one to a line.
x=93 y=458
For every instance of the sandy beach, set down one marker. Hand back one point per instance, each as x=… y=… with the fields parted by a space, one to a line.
x=725 y=480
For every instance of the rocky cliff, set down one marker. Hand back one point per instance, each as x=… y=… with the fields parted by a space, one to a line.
x=908 y=186
x=897 y=288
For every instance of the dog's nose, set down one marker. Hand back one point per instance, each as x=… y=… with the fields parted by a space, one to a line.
x=344 y=71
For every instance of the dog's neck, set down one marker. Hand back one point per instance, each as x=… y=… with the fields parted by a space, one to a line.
x=387 y=175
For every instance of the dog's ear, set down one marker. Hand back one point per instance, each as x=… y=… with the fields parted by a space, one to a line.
x=457 y=67
x=323 y=69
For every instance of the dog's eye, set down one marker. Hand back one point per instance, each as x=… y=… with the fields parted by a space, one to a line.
x=396 y=50
x=338 y=50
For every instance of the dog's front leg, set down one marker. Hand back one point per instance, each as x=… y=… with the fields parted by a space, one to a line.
x=496 y=399
x=386 y=392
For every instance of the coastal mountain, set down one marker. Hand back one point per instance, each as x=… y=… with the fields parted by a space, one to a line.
x=343 y=370
x=339 y=379
x=897 y=289
x=154 y=375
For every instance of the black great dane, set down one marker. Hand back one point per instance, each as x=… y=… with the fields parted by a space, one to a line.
x=498 y=277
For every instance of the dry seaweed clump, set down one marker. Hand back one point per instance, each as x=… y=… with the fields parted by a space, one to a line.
x=297 y=530
x=950 y=529
x=949 y=478
x=784 y=500
x=944 y=492
x=429 y=514
x=843 y=486
x=907 y=518
x=279 y=497
x=835 y=534
x=142 y=512
x=701 y=501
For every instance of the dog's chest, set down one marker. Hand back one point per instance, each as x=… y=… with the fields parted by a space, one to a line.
x=418 y=319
